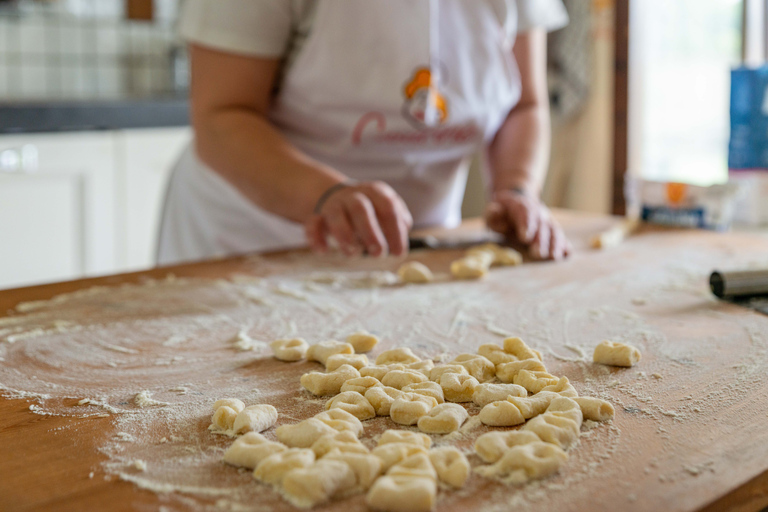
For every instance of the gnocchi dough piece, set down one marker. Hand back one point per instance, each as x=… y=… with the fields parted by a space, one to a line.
x=360 y=384
x=320 y=352
x=379 y=371
x=272 y=469
x=595 y=409
x=487 y=393
x=356 y=361
x=255 y=418
x=250 y=449
x=613 y=353
x=224 y=413
x=309 y=486
x=424 y=366
x=502 y=256
x=362 y=341
x=233 y=403
x=495 y=354
x=366 y=467
x=398 y=379
x=341 y=420
x=324 y=384
x=407 y=409
x=428 y=388
x=437 y=372
x=344 y=441
x=402 y=494
x=443 y=419
x=562 y=388
x=518 y=348
x=470 y=267
x=458 y=387
x=477 y=366
x=515 y=410
x=404 y=436
x=392 y=453
x=290 y=350
x=415 y=273
x=451 y=465
x=534 y=382
x=415 y=466
x=382 y=398
x=303 y=434
x=522 y=463
x=402 y=355
x=533 y=405
x=559 y=425
x=354 y=403
x=506 y=372
x=493 y=445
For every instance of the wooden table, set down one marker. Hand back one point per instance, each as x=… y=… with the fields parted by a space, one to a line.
x=690 y=438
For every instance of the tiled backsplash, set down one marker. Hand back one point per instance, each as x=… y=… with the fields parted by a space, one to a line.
x=84 y=49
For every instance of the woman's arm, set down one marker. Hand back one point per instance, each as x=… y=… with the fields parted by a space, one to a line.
x=231 y=96
x=519 y=155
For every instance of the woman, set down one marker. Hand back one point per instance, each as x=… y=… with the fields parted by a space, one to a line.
x=355 y=120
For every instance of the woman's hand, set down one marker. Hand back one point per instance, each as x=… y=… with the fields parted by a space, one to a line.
x=363 y=217
x=524 y=219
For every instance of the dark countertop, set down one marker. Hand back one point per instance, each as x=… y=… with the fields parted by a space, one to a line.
x=79 y=115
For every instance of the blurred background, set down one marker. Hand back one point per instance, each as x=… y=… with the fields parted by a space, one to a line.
x=93 y=114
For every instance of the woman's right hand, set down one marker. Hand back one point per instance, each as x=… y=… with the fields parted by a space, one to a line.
x=367 y=217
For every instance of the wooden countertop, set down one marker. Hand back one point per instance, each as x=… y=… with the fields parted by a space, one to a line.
x=693 y=439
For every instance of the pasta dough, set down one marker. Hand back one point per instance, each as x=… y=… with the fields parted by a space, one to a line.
x=616 y=354
x=272 y=469
x=398 y=379
x=415 y=466
x=335 y=361
x=402 y=355
x=437 y=372
x=402 y=494
x=341 y=420
x=303 y=434
x=493 y=445
x=495 y=354
x=323 y=384
x=595 y=409
x=382 y=398
x=526 y=462
x=315 y=484
x=415 y=273
x=250 y=449
x=515 y=410
x=354 y=403
x=256 y=418
x=404 y=436
x=500 y=256
x=562 y=388
x=407 y=409
x=290 y=350
x=457 y=387
x=559 y=425
x=366 y=467
x=392 y=453
x=487 y=393
x=443 y=419
x=506 y=372
x=344 y=442
x=470 y=267
x=424 y=366
x=451 y=465
x=379 y=371
x=320 y=352
x=360 y=384
x=518 y=348
x=534 y=382
x=362 y=341
x=477 y=366
x=428 y=388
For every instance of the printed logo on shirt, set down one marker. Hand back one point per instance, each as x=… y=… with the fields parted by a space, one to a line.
x=424 y=105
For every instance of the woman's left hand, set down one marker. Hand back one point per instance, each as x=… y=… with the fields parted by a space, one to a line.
x=524 y=219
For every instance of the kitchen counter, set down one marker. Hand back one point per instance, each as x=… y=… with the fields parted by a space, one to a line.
x=80 y=115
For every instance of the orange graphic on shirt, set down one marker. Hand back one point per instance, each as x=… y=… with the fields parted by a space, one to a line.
x=676 y=192
x=424 y=104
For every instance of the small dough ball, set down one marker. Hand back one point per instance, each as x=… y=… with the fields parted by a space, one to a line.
x=407 y=409
x=519 y=349
x=379 y=371
x=415 y=466
x=402 y=355
x=404 y=436
x=506 y=372
x=595 y=409
x=341 y=420
x=487 y=393
x=324 y=384
x=362 y=341
x=562 y=388
x=360 y=384
x=290 y=350
x=501 y=414
x=424 y=366
x=492 y=446
x=272 y=469
x=344 y=441
x=303 y=434
x=415 y=273
x=382 y=398
x=250 y=449
x=534 y=382
x=255 y=418
x=553 y=429
x=457 y=387
x=398 y=379
x=309 y=486
x=356 y=361
x=443 y=419
x=392 y=453
x=223 y=419
x=428 y=388
x=495 y=354
x=320 y=352
x=402 y=494
x=354 y=403
x=526 y=462
x=477 y=366
x=437 y=372
x=233 y=403
x=500 y=256
x=613 y=353
x=533 y=405
x=470 y=268
x=451 y=465
x=367 y=467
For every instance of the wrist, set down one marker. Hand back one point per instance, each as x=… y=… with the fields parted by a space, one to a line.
x=330 y=192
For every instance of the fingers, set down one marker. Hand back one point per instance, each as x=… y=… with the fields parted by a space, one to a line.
x=316 y=234
x=340 y=227
x=541 y=242
x=364 y=221
x=558 y=247
x=496 y=218
x=393 y=216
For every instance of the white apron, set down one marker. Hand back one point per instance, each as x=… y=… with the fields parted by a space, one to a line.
x=402 y=91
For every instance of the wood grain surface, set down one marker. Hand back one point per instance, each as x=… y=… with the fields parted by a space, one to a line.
x=669 y=455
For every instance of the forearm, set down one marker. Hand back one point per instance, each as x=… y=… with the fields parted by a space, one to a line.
x=249 y=152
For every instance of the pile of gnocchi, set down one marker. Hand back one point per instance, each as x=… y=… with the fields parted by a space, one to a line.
x=475 y=264
x=321 y=458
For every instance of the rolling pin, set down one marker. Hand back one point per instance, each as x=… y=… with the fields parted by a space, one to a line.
x=739 y=284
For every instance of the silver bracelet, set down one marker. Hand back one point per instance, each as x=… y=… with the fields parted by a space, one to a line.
x=328 y=193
